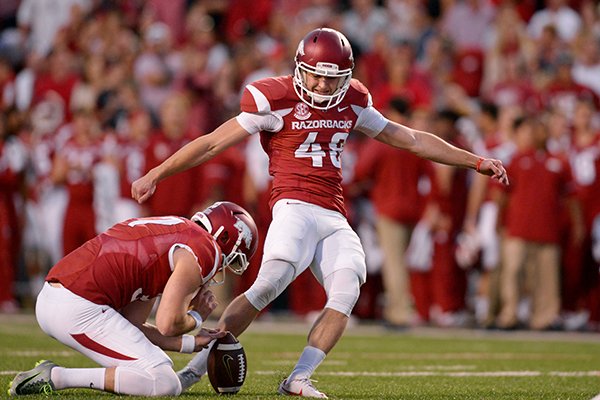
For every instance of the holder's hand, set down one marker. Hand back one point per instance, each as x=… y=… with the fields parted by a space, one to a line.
x=204 y=302
x=205 y=336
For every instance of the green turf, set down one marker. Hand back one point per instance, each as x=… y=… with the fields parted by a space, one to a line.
x=372 y=364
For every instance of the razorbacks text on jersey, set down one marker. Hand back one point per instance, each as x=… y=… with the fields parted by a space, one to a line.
x=134 y=259
x=305 y=154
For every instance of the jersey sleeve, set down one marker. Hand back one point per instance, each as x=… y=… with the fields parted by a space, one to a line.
x=172 y=253
x=207 y=255
x=370 y=121
x=255 y=122
x=257 y=114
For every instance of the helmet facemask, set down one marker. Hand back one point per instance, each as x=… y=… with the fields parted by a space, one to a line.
x=317 y=100
x=236 y=260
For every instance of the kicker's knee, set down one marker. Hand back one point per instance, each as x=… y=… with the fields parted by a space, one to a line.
x=343 y=289
x=273 y=278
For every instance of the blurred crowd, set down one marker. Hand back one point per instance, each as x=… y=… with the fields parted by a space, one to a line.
x=94 y=93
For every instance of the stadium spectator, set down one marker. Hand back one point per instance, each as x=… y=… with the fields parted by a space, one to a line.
x=508 y=42
x=73 y=166
x=467 y=39
x=590 y=18
x=86 y=91
x=436 y=63
x=407 y=19
x=562 y=92
x=98 y=298
x=205 y=62
x=547 y=51
x=156 y=66
x=363 y=21
x=171 y=13
x=13 y=159
x=398 y=192
x=531 y=243
x=244 y=17
x=560 y=15
x=403 y=80
x=304 y=121
x=42 y=19
x=45 y=203
x=7 y=85
x=371 y=66
x=444 y=280
x=513 y=87
x=314 y=13
x=131 y=161
x=580 y=266
x=57 y=82
x=479 y=243
x=586 y=66
x=180 y=193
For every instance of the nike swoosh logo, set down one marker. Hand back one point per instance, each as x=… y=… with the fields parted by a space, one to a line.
x=340 y=109
x=25 y=382
x=227 y=359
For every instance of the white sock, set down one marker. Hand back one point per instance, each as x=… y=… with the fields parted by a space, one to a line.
x=309 y=360
x=91 y=378
x=198 y=363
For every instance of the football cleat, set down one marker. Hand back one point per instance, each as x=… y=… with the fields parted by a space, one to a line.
x=188 y=378
x=34 y=381
x=302 y=387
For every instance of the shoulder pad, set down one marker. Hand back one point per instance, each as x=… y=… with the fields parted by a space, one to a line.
x=260 y=96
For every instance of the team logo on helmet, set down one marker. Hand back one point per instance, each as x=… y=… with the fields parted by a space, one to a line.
x=301 y=111
x=300 y=50
x=245 y=232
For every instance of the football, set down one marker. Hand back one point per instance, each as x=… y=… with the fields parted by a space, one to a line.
x=227 y=365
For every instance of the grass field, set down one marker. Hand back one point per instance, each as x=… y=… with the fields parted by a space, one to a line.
x=370 y=363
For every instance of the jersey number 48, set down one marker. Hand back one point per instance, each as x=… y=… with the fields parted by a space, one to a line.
x=313 y=150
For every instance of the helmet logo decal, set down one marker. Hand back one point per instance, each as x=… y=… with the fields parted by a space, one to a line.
x=300 y=50
x=245 y=232
x=301 y=111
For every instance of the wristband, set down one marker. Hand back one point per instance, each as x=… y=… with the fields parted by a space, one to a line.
x=188 y=344
x=194 y=314
x=478 y=166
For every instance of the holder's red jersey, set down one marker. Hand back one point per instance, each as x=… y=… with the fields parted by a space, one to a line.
x=134 y=259
x=305 y=155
